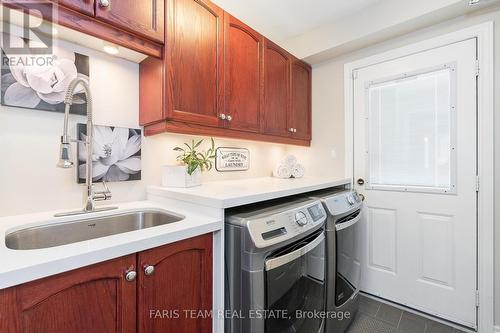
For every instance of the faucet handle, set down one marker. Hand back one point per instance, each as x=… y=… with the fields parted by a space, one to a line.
x=102 y=195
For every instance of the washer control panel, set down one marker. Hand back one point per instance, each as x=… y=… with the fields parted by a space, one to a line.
x=301 y=218
x=280 y=226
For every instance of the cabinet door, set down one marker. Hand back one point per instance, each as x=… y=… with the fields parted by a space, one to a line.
x=96 y=298
x=243 y=68
x=82 y=6
x=145 y=17
x=299 y=116
x=194 y=57
x=276 y=89
x=181 y=282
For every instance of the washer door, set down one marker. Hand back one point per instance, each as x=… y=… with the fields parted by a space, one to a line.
x=295 y=287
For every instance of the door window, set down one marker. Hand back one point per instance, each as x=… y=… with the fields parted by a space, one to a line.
x=411 y=131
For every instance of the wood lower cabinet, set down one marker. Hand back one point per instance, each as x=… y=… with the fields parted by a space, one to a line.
x=243 y=79
x=99 y=298
x=299 y=115
x=91 y=299
x=180 y=283
x=276 y=89
x=194 y=61
x=145 y=17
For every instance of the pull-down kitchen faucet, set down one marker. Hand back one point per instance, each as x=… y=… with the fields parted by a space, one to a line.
x=65 y=152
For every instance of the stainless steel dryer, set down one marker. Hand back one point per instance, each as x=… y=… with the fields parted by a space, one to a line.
x=343 y=270
x=275 y=267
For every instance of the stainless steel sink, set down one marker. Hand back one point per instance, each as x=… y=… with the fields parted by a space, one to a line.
x=55 y=234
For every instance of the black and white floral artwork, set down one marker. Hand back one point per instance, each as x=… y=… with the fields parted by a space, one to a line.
x=116 y=154
x=41 y=85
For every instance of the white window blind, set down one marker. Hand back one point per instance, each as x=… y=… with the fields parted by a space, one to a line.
x=410 y=128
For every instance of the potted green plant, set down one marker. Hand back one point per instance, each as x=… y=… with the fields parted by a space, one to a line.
x=192 y=163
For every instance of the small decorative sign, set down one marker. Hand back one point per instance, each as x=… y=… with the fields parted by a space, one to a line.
x=232 y=159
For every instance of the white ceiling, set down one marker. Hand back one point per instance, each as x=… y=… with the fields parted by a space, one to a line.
x=283 y=19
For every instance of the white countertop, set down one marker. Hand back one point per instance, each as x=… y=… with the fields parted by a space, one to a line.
x=232 y=193
x=19 y=266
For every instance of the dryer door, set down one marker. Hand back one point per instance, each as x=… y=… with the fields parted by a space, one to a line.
x=348 y=272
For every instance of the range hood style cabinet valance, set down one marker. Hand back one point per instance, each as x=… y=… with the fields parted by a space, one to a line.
x=207 y=72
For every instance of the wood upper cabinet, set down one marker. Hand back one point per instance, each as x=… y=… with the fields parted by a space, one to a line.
x=96 y=298
x=194 y=61
x=219 y=77
x=145 y=17
x=151 y=91
x=136 y=25
x=276 y=89
x=243 y=75
x=83 y=6
x=181 y=280
x=299 y=115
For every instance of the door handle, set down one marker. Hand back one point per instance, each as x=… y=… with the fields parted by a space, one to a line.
x=289 y=257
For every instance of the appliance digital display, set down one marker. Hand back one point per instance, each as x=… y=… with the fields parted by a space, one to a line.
x=315 y=212
x=273 y=233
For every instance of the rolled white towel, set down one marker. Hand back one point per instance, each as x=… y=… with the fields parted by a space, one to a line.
x=298 y=171
x=289 y=160
x=282 y=171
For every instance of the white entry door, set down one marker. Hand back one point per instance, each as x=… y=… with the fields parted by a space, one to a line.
x=415 y=163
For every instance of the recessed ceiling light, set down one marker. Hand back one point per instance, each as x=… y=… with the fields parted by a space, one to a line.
x=110 y=49
x=473 y=2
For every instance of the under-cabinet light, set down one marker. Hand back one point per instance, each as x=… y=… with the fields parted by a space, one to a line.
x=110 y=49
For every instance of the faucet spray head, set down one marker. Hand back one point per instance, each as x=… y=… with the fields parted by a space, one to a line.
x=65 y=161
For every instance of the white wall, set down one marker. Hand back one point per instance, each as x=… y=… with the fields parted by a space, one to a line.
x=29 y=144
x=325 y=157
x=328 y=106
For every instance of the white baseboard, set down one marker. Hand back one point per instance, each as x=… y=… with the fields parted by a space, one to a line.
x=497 y=329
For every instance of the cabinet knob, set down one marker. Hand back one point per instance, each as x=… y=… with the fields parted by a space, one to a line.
x=222 y=116
x=149 y=270
x=229 y=118
x=104 y=3
x=130 y=276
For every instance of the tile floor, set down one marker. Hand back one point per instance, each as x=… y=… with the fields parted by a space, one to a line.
x=377 y=317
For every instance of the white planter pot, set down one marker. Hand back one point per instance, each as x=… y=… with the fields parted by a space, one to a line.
x=177 y=176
